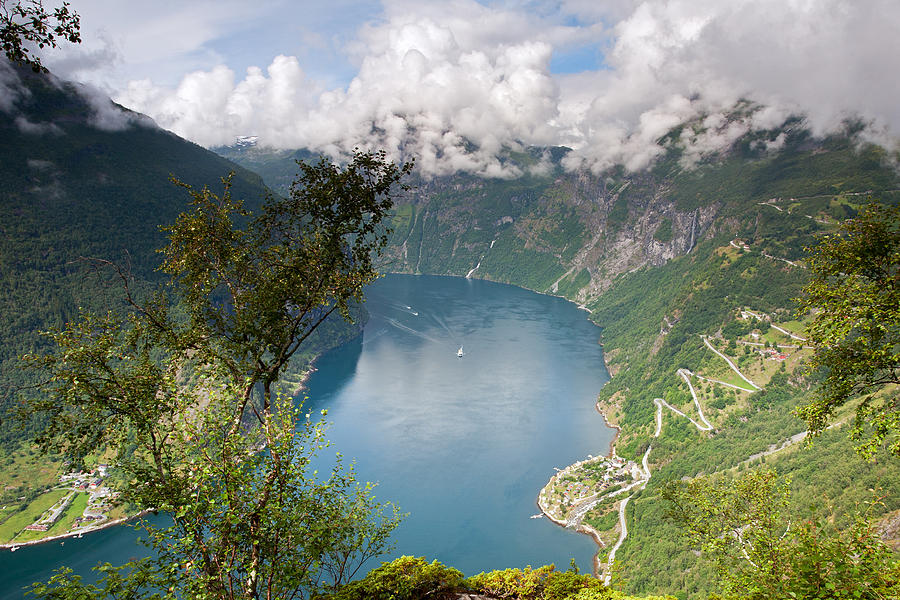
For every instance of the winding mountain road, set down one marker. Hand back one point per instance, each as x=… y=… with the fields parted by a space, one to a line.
x=686 y=375
x=612 y=553
x=730 y=364
x=660 y=402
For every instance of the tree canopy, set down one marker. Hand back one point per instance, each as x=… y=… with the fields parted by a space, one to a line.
x=854 y=296
x=744 y=526
x=182 y=390
x=26 y=23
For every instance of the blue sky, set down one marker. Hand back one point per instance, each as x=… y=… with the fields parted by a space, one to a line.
x=166 y=39
x=605 y=77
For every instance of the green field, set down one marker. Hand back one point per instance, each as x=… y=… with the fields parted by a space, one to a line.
x=17 y=522
x=26 y=467
x=74 y=510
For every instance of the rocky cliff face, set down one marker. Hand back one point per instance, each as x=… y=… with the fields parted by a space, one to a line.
x=573 y=233
x=576 y=231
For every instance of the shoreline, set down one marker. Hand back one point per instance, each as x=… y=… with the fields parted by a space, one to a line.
x=593 y=533
x=296 y=388
x=13 y=546
x=612 y=442
x=293 y=390
x=583 y=528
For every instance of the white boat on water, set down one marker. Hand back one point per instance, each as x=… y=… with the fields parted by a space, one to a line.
x=459 y=353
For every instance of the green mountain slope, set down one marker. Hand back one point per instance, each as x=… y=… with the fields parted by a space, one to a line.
x=71 y=189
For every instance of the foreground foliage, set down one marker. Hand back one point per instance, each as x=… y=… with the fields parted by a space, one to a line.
x=409 y=578
x=759 y=552
x=187 y=399
x=855 y=296
x=26 y=22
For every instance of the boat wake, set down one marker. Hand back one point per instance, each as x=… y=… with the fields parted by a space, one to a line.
x=412 y=331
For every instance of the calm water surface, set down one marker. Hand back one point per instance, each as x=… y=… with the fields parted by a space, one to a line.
x=462 y=444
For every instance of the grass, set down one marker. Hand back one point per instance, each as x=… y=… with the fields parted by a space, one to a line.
x=716 y=368
x=17 y=522
x=773 y=336
x=28 y=468
x=729 y=376
x=796 y=327
x=117 y=512
x=75 y=510
x=6 y=511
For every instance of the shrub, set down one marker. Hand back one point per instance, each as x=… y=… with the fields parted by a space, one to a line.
x=405 y=578
x=545 y=583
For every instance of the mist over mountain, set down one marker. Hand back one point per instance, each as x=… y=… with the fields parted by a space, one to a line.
x=454 y=83
x=708 y=180
x=665 y=235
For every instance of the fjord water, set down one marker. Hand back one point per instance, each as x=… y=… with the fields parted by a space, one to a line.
x=461 y=444
x=464 y=445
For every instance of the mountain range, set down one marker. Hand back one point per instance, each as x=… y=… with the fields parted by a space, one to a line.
x=663 y=259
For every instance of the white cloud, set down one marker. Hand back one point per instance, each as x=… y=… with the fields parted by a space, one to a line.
x=31 y=128
x=106 y=115
x=828 y=60
x=454 y=82
x=421 y=89
x=102 y=112
x=11 y=90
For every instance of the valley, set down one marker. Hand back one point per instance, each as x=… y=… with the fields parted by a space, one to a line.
x=461 y=444
x=691 y=275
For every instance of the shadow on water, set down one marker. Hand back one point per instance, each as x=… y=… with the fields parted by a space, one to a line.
x=340 y=365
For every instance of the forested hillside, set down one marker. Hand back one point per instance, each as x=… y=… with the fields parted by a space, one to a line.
x=668 y=261
x=685 y=267
x=82 y=178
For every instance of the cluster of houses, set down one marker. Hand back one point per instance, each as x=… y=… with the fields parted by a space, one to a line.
x=87 y=519
x=85 y=481
x=577 y=483
x=79 y=481
x=773 y=354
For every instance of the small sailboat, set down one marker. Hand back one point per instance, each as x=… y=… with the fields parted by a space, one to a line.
x=459 y=353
